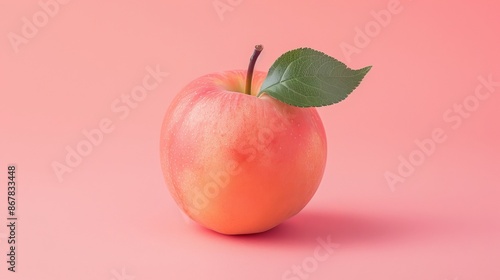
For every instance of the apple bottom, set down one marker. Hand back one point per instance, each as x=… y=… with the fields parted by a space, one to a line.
x=239 y=164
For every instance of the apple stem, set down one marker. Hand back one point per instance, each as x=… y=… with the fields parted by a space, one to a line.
x=251 y=65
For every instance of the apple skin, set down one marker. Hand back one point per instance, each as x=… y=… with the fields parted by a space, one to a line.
x=237 y=163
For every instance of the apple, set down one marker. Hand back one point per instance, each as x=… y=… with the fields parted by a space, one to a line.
x=238 y=161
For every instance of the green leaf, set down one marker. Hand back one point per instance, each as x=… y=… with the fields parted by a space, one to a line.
x=308 y=78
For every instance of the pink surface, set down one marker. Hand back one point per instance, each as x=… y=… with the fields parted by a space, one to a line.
x=112 y=217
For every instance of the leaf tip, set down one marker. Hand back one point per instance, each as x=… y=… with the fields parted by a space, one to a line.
x=367 y=68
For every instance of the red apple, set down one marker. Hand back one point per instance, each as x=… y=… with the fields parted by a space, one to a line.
x=237 y=163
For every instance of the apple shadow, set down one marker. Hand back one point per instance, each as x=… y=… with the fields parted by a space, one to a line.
x=350 y=229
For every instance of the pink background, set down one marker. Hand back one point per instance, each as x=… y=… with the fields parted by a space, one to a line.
x=112 y=216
